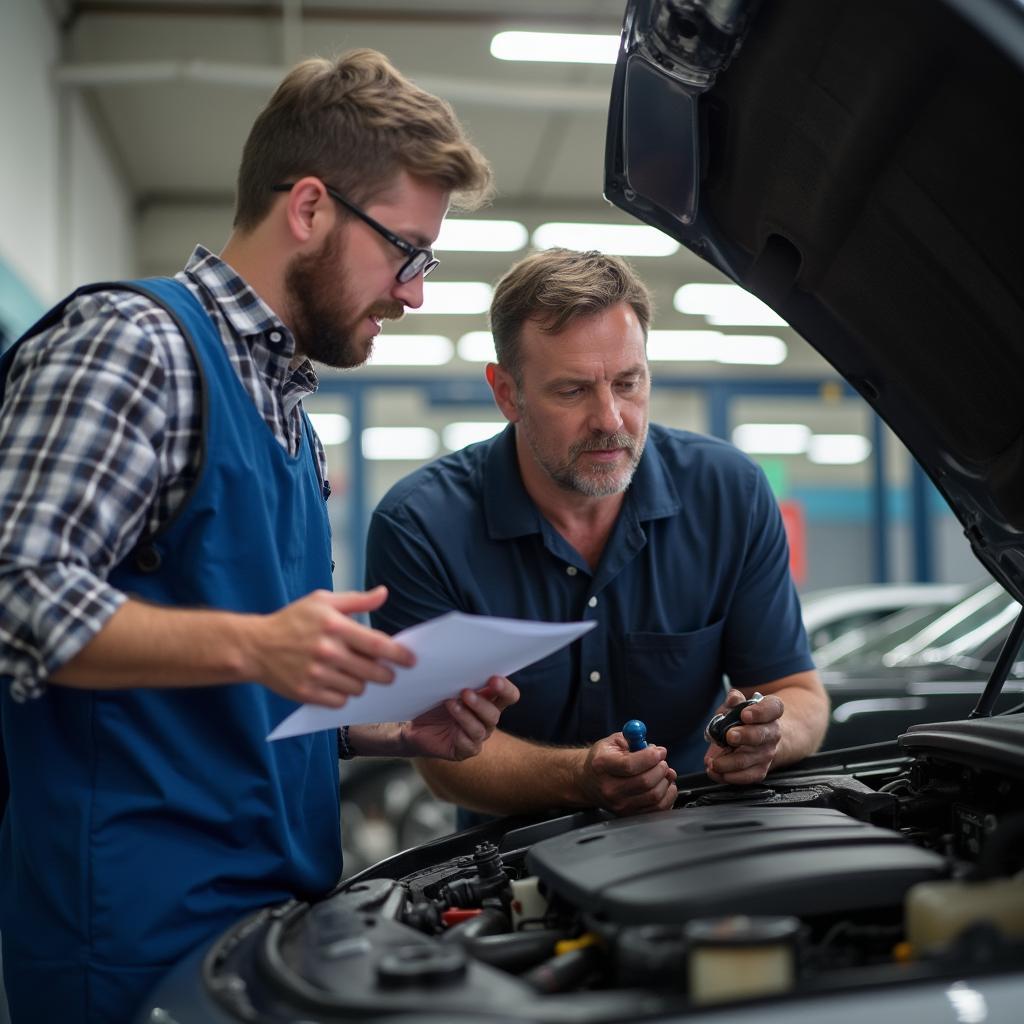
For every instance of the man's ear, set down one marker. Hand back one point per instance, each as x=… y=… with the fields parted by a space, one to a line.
x=309 y=211
x=505 y=391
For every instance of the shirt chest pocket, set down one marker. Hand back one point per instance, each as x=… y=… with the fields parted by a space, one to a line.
x=671 y=679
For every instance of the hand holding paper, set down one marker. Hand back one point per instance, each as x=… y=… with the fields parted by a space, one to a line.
x=453 y=651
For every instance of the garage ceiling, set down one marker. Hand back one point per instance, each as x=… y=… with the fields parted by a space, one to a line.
x=175 y=85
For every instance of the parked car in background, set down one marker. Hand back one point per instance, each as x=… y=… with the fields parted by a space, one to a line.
x=857 y=166
x=832 y=611
x=919 y=666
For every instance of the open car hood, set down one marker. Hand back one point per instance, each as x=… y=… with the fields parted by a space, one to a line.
x=859 y=166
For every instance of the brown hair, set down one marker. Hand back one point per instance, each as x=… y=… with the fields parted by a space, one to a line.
x=556 y=286
x=355 y=122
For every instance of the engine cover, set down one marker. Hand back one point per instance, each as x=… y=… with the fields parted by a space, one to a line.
x=708 y=861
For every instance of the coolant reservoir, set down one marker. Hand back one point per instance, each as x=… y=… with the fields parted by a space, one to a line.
x=937 y=912
x=739 y=957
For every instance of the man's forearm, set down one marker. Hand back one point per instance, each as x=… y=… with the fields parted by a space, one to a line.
x=147 y=645
x=805 y=720
x=510 y=776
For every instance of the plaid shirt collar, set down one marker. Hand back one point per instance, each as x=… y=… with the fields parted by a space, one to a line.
x=250 y=317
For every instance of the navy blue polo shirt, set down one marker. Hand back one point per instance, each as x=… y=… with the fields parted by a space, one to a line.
x=692 y=586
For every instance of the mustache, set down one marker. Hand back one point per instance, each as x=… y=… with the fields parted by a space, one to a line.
x=604 y=442
x=387 y=310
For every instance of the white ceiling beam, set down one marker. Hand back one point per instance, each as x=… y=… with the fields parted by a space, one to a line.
x=463 y=91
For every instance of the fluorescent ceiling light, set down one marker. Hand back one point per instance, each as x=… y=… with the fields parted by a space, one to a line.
x=411 y=350
x=726 y=305
x=557 y=47
x=459 y=297
x=458 y=435
x=772 y=438
x=414 y=443
x=481 y=236
x=838 y=449
x=477 y=347
x=619 y=239
x=331 y=427
x=715 y=347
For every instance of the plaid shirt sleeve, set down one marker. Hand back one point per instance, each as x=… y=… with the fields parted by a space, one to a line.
x=83 y=456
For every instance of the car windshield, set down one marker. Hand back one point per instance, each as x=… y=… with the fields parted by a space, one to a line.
x=967 y=633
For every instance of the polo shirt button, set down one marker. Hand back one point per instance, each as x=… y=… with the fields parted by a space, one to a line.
x=595 y=677
x=592 y=602
x=571 y=570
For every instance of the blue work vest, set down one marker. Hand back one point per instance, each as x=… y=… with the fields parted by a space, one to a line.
x=143 y=822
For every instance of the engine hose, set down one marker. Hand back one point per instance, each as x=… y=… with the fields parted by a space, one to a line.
x=565 y=972
x=516 y=951
x=490 y=921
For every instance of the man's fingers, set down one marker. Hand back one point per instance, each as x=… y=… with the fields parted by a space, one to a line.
x=655 y=778
x=658 y=798
x=467 y=718
x=330 y=688
x=626 y=765
x=353 y=601
x=500 y=692
x=753 y=735
x=484 y=710
x=742 y=761
x=372 y=643
x=767 y=710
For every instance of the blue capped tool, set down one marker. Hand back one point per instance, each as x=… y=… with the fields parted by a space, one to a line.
x=636 y=734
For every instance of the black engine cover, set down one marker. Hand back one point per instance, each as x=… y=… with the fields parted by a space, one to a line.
x=710 y=861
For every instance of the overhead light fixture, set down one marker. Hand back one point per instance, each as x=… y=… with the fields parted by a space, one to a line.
x=556 y=47
x=477 y=347
x=411 y=350
x=481 y=236
x=753 y=349
x=618 y=239
x=726 y=305
x=454 y=297
x=458 y=435
x=331 y=427
x=715 y=347
x=411 y=443
x=772 y=438
x=838 y=449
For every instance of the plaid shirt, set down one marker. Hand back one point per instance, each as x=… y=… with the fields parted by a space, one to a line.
x=99 y=443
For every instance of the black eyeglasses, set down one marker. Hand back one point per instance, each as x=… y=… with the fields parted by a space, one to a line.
x=420 y=261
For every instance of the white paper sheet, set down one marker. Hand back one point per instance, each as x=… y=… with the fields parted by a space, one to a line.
x=452 y=652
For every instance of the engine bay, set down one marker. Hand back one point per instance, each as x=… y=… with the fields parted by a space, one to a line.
x=884 y=872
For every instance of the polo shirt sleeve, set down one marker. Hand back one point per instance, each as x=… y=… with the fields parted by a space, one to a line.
x=764 y=636
x=403 y=559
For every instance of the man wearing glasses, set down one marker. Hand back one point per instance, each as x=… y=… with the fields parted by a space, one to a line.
x=165 y=559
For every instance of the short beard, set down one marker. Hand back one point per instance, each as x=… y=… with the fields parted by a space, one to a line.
x=603 y=480
x=322 y=318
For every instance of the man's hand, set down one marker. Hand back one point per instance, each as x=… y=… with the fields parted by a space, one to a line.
x=458 y=728
x=312 y=651
x=752 y=745
x=627 y=783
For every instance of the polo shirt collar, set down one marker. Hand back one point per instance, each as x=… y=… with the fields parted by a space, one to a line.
x=511 y=512
x=509 y=509
x=653 y=493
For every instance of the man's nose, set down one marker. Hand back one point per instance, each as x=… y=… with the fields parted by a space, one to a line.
x=409 y=293
x=606 y=416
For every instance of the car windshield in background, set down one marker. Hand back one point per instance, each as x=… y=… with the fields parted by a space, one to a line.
x=833 y=611
x=966 y=633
